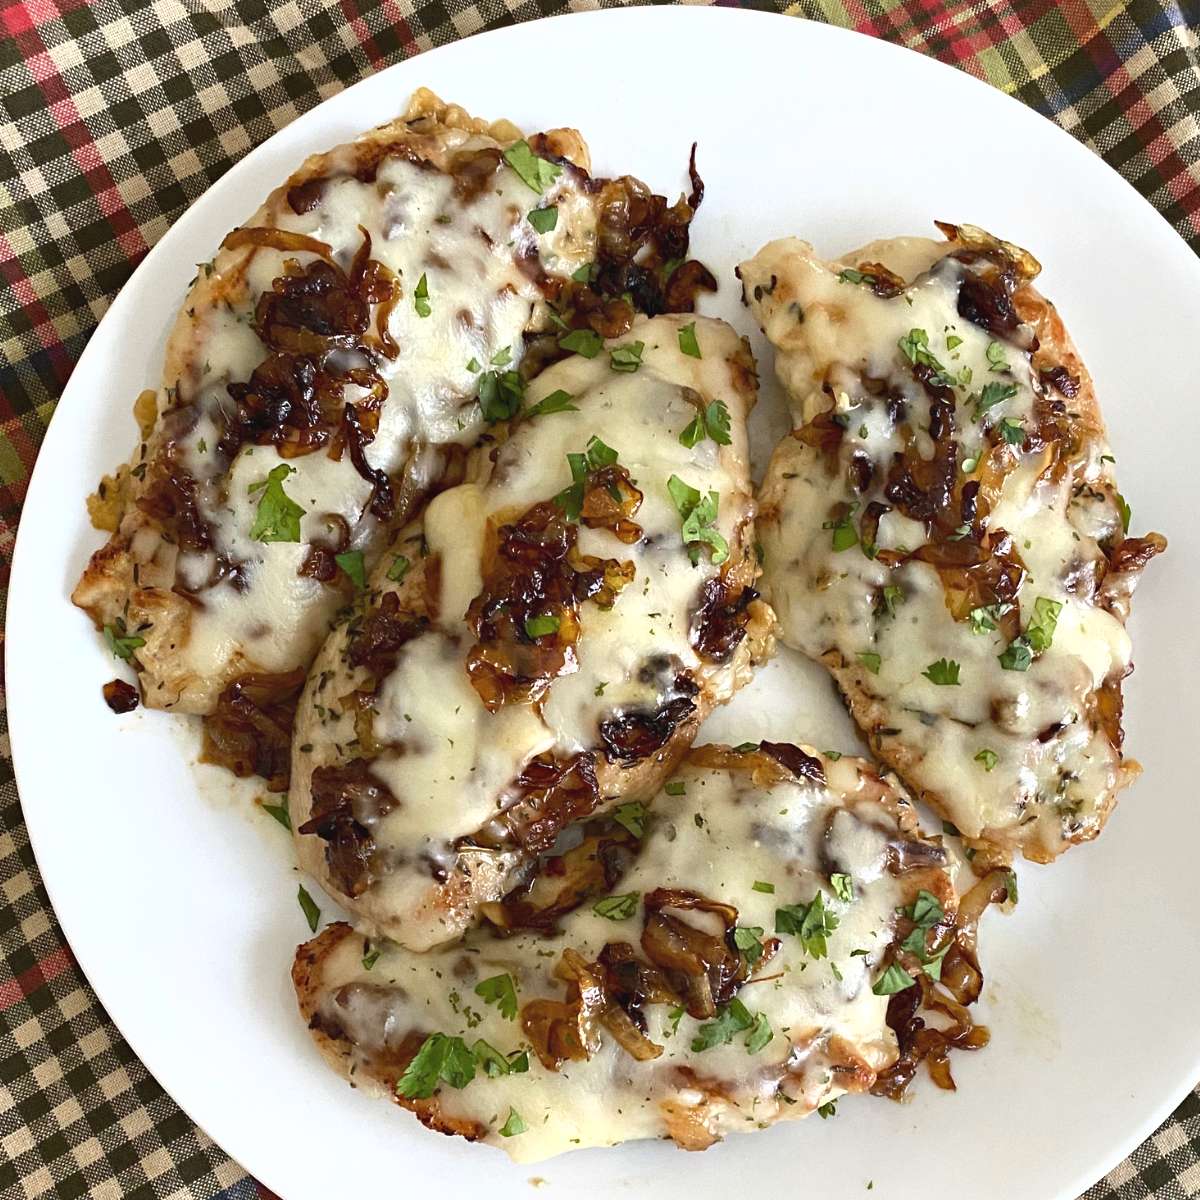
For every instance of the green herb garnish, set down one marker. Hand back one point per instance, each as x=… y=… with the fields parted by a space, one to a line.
x=699 y=515
x=544 y=219
x=617 y=908
x=558 y=401
x=421 y=298
x=944 y=673
x=278 y=516
x=439 y=1059
x=500 y=990
x=687 y=341
x=312 y=914
x=535 y=172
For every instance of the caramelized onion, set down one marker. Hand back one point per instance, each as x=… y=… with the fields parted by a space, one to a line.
x=703 y=967
x=276 y=239
x=250 y=730
x=345 y=801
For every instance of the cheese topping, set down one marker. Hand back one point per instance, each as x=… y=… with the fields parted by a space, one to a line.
x=977 y=676
x=718 y=833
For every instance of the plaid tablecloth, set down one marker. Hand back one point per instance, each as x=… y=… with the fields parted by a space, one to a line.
x=114 y=116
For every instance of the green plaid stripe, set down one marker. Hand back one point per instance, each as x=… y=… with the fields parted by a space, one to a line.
x=114 y=117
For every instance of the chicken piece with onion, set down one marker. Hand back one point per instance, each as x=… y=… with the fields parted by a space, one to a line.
x=751 y=946
x=545 y=641
x=942 y=530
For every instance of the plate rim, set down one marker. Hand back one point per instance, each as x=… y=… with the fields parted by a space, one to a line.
x=246 y=1147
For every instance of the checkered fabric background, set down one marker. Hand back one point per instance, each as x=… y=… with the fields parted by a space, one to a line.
x=114 y=117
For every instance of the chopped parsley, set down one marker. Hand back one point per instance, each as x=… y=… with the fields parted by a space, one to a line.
x=995 y=357
x=925 y=911
x=544 y=219
x=1010 y=887
x=713 y=422
x=597 y=455
x=760 y=886
x=627 y=358
x=989 y=758
x=1012 y=431
x=540 y=626
x=371 y=958
x=440 y=1059
x=535 y=172
x=953 y=341
x=586 y=342
x=732 y=1018
x=514 y=1125
x=992 y=394
x=894 y=979
x=675 y=788
x=687 y=341
x=812 y=923
x=827 y=1110
x=843 y=886
x=278 y=516
x=871 y=661
x=496 y=1064
x=312 y=914
x=631 y=816
x=944 y=673
x=850 y=275
x=1017 y=655
x=120 y=641
x=748 y=939
x=889 y=598
x=844 y=533
x=699 y=515
x=280 y=813
x=585 y=274
x=1040 y=630
x=500 y=395
x=399 y=568
x=617 y=908
x=987 y=617
x=915 y=347
x=351 y=564
x=760 y=1034
x=558 y=401
x=500 y=990
x=421 y=297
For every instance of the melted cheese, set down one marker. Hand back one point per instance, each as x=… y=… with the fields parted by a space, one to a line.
x=1055 y=772
x=718 y=838
x=481 y=300
x=449 y=762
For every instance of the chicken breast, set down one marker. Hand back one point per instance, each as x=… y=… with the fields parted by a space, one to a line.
x=545 y=641
x=943 y=531
x=329 y=366
x=732 y=955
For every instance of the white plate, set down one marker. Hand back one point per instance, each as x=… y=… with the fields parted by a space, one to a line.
x=181 y=907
